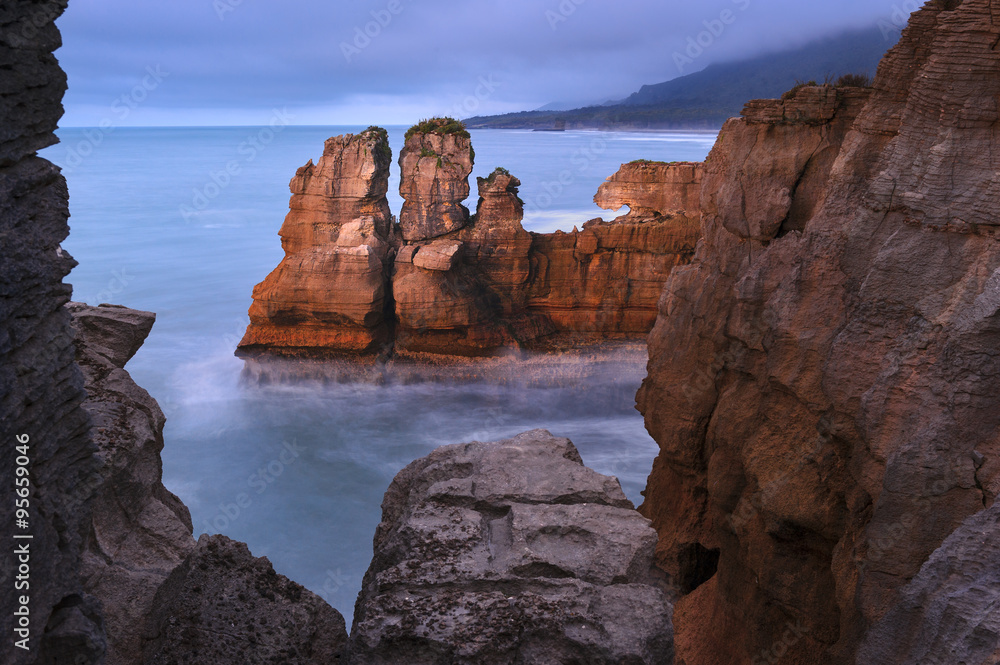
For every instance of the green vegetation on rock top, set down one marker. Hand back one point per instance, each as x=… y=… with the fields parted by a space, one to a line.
x=441 y=126
x=845 y=81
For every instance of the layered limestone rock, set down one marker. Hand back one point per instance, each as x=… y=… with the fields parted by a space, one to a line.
x=653 y=189
x=41 y=388
x=435 y=164
x=164 y=599
x=465 y=293
x=605 y=280
x=331 y=290
x=454 y=285
x=510 y=552
x=823 y=376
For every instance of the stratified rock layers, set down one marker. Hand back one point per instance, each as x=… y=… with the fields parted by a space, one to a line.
x=458 y=285
x=653 y=189
x=434 y=169
x=823 y=377
x=510 y=552
x=331 y=289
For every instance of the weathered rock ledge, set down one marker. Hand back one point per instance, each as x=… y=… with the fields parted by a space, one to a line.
x=444 y=282
x=165 y=598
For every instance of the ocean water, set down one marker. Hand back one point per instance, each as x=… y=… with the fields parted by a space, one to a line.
x=183 y=222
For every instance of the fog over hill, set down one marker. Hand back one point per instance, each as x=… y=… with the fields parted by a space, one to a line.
x=705 y=99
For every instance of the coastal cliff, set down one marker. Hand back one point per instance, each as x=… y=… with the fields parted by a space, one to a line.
x=442 y=281
x=823 y=376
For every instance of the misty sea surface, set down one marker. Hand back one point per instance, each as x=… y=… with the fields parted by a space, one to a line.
x=297 y=469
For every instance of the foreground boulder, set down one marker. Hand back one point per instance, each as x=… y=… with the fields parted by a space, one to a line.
x=223 y=605
x=511 y=552
x=823 y=376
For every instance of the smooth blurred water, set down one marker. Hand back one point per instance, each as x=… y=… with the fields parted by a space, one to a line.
x=298 y=470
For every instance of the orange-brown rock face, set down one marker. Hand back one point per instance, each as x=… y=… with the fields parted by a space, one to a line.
x=441 y=282
x=330 y=292
x=823 y=377
x=606 y=279
x=504 y=287
x=435 y=170
x=653 y=189
x=465 y=293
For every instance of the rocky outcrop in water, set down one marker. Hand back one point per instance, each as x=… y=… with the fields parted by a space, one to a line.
x=510 y=552
x=653 y=189
x=434 y=165
x=331 y=289
x=476 y=285
x=823 y=376
x=164 y=598
x=41 y=388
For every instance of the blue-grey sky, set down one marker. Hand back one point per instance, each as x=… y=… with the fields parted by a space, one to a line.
x=220 y=62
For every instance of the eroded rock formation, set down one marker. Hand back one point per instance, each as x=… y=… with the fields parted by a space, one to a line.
x=653 y=189
x=331 y=289
x=223 y=605
x=166 y=599
x=139 y=530
x=948 y=612
x=823 y=376
x=434 y=166
x=472 y=286
x=510 y=552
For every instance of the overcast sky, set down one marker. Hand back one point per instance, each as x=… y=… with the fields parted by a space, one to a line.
x=220 y=62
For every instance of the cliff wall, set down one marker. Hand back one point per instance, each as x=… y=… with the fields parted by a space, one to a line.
x=823 y=376
x=41 y=388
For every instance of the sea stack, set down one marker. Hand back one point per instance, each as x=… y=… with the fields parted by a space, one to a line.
x=435 y=165
x=446 y=283
x=331 y=289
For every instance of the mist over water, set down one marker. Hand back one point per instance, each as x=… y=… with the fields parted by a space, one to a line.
x=296 y=464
